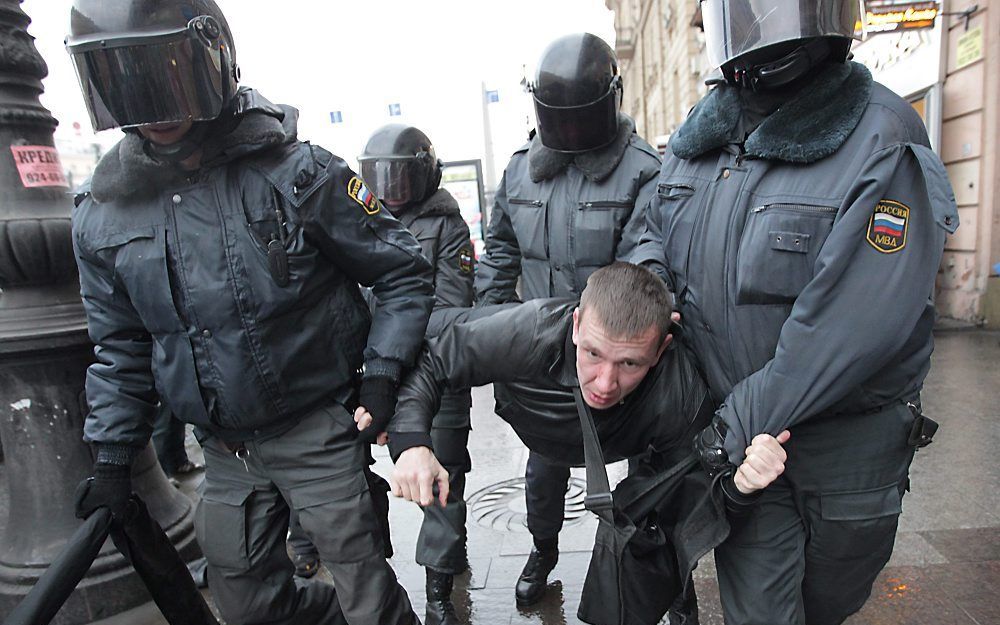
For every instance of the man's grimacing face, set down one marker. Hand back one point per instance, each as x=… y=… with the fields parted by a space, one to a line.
x=609 y=368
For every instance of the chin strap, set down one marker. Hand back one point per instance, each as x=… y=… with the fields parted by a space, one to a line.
x=783 y=71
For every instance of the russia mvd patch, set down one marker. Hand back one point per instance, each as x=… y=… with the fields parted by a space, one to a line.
x=359 y=193
x=465 y=260
x=887 y=228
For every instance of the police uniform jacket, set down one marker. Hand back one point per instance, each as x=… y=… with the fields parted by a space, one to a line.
x=444 y=238
x=803 y=259
x=557 y=217
x=527 y=351
x=443 y=235
x=232 y=291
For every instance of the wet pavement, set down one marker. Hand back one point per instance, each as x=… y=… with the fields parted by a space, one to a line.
x=945 y=569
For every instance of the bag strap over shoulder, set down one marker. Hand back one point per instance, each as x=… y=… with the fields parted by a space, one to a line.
x=598 y=499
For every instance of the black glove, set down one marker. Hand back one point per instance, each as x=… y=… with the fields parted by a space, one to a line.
x=110 y=487
x=710 y=445
x=378 y=397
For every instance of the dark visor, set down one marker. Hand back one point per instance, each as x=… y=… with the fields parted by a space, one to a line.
x=394 y=179
x=735 y=27
x=578 y=128
x=147 y=80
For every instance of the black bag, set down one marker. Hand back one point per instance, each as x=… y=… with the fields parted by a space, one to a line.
x=650 y=535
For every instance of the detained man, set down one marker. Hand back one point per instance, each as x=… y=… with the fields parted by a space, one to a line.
x=644 y=391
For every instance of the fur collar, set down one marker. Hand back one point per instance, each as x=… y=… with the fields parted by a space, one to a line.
x=812 y=125
x=441 y=202
x=127 y=172
x=545 y=164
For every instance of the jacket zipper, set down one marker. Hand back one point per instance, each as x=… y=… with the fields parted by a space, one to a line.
x=515 y=200
x=605 y=204
x=798 y=208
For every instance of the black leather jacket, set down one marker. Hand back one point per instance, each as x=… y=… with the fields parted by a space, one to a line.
x=526 y=350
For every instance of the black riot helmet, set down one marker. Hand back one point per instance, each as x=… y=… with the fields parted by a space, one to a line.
x=152 y=61
x=577 y=93
x=400 y=165
x=766 y=44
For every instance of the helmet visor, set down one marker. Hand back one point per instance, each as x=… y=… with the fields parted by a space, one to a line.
x=578 y=128
x=150 y=80
x=735 y=27
x=395 y=180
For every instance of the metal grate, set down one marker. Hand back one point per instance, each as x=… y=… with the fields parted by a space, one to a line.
x=501 y=506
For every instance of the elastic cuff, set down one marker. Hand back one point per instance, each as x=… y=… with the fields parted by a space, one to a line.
x=384 y=368
x=117 y=454
x=737 y=503
x=401 y=441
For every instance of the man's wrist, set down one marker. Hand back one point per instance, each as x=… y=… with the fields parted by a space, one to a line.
x=738 y=504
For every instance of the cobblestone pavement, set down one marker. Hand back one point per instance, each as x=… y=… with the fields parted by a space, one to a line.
x=945 y=569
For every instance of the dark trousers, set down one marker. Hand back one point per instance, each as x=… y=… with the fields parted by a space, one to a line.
x=317 y=468
x=301 y=545
x=441 y=543
x=813 y=547
x=168 y=440
x=545 y=486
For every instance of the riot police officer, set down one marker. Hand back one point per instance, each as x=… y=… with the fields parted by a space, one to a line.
x=560 y=212
x=802 y=216
x=219 y=263
x=402 y=166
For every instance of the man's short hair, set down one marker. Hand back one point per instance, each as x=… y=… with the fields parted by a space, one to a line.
x=627 y=300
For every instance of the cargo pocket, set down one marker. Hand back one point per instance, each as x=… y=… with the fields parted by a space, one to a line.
x=337 y=514
x=859 y=525
x=598 y=229
x=139 y=259
x=778 y=251
x=221 y=526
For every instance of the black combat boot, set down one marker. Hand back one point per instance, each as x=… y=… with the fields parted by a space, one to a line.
x=440 y=609
x=534 y=577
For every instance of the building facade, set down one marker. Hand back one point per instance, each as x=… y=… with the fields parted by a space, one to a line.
x=662 y=60
x=948 y=70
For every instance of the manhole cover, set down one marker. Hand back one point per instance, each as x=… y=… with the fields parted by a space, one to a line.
x=501 y=506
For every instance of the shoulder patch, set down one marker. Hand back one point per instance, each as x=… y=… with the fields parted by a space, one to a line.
x=465 y=260
x=887 y=227
x=359 y=193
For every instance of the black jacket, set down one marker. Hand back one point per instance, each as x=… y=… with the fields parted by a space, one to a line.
x=181 y=301
x=443 y=235
x=527 y=351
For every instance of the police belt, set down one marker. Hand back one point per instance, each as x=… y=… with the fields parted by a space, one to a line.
x=921 y=432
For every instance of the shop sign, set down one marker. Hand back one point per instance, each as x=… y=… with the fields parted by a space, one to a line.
x=891 y=18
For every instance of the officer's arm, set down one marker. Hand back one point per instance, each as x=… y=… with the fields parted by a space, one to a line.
x=455 y=270
x=861 y=305
x=500 y=266
x=120 y=389
x=646 y=231
x=500 y=347
x=636 y=247
x=375 y=250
